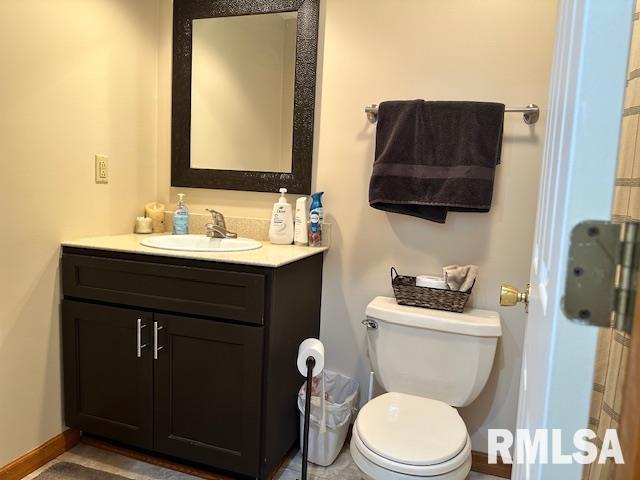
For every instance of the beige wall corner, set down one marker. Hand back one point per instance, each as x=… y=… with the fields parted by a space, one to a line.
x=79 y=78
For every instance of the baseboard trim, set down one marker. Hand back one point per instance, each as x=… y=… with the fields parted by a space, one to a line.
x=39 y=456
x=480 y=463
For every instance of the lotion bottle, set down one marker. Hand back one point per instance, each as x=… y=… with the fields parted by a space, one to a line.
x=181 y=217
x=301 y=235
x=281 y=226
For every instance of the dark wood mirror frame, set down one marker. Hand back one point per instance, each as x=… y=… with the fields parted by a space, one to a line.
x=299 y=180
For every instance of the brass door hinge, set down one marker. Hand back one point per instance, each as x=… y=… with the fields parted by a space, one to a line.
x=602 y=274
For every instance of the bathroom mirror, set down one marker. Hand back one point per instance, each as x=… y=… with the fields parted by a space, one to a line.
x=244 y=75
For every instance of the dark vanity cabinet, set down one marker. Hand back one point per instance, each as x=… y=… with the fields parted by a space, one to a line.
x=191 y=359
x=112 y=387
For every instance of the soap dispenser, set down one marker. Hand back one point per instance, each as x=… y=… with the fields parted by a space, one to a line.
x=281 y=226
x=181 y=217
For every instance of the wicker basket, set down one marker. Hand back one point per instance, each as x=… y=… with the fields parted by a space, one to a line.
x=407 y=293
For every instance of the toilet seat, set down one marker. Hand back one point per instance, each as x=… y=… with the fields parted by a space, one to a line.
x=411 y=435
x=457 y=462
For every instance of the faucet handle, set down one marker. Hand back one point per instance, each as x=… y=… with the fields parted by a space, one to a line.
x=218 y=217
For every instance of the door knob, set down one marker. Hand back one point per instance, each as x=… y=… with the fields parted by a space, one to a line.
x=510 y=296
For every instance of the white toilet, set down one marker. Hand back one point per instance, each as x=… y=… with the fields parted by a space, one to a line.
x=429 y=361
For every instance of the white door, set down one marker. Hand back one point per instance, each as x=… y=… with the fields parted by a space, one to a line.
x=587 y=89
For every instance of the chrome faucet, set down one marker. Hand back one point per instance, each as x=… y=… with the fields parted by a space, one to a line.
x=218 y=228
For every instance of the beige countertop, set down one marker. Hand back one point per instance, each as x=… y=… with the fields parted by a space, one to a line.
x=268 y=256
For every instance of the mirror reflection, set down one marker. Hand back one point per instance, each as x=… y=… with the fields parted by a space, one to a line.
x=242 y=87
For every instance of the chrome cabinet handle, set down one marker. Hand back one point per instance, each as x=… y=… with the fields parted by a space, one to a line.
x=139 y=345
x=156 y=348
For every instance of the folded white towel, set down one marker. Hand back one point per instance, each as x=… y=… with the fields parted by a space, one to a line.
x=431 y=281
x=460 y=278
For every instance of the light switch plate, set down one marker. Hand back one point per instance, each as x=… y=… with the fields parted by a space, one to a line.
x=102 y=169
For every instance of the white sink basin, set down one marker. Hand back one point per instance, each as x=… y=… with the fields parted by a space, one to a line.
x=200 y=243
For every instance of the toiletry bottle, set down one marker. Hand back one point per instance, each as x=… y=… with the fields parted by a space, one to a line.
x=301 y=237
x=181 y=217
x=281 y=227
x=316 y=219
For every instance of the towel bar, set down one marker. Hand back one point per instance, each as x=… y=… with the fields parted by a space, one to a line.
x=531 y=113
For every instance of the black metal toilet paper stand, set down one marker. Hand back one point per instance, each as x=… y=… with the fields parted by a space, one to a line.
x=311 y=363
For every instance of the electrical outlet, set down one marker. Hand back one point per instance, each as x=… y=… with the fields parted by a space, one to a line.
x=102 y=169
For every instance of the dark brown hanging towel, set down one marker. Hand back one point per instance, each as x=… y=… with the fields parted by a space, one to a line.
x=435 y=157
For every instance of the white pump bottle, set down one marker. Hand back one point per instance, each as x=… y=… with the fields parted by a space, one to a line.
x=281 y=226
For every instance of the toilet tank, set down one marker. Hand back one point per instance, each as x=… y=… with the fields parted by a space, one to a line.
x=436 y=354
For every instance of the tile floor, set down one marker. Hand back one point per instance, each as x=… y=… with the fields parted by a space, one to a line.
x=342 y=469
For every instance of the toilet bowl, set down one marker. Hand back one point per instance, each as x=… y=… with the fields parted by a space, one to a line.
x=399 y=436
x=429 y=361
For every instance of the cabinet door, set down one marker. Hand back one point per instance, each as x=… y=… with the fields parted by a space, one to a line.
x=208 y=392
x=108 y=372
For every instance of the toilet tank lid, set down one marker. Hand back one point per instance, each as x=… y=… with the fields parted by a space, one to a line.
x=473 y=321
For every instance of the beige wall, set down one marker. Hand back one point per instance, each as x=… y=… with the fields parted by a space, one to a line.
x=78 y=78
x=372 y=50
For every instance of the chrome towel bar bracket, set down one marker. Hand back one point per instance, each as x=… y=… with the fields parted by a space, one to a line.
x=530 y=113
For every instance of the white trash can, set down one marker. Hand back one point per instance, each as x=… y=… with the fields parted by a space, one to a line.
x=334 y=399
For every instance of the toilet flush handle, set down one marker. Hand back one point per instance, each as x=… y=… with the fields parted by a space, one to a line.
x=367 y=322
